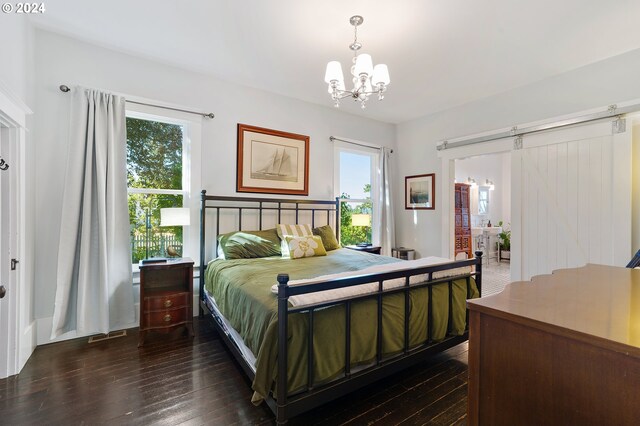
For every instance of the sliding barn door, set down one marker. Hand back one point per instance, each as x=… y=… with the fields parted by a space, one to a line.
x=571 y=198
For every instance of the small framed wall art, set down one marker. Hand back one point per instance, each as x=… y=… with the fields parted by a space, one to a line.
x=271 y=161
x=420 y=192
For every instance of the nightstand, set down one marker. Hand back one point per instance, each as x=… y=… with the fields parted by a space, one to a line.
x=368 y=249
x=166 y=296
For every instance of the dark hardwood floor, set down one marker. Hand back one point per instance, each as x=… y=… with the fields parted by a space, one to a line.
x=175 y=380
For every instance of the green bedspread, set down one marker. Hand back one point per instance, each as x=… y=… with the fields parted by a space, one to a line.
x=242 y=291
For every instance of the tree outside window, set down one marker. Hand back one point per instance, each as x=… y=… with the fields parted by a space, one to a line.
x=349 y=234
x=356 y=175
x=155 y=181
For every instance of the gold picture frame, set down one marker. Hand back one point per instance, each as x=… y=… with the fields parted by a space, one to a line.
x=272 y=161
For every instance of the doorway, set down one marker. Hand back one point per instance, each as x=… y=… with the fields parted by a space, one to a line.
x=571 y=195
x=8 y=250
x=16 y=328
x=489 y=180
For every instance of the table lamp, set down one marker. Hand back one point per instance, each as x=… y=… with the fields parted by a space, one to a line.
x=361 y=220
x=175 y=216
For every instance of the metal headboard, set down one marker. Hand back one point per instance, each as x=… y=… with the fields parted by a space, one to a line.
x=261 y=205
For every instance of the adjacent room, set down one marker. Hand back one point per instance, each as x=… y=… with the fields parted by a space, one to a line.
x=365 y=212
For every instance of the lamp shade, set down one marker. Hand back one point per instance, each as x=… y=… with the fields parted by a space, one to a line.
x=334 y=72
x=175 y=216
x=361 y=220
x=380 y=75
x=364 y=65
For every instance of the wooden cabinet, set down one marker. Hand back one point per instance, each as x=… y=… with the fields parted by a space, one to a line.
x=563 y=349
x=166 y=297
x=463 y=240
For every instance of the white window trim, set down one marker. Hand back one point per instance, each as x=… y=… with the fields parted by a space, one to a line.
x=191 y=170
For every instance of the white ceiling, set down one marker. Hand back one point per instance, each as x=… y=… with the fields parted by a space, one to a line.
x=440 y=53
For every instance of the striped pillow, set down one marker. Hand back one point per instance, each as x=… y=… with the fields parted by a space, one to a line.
x=293 y=230
x=287 y=230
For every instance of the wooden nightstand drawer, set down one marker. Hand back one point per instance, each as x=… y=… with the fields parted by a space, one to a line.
x=170 y=300
x=167 y=318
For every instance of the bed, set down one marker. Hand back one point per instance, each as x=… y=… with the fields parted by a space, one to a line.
x=350 y=317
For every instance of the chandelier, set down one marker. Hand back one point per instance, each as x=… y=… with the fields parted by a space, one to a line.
x=367 y=79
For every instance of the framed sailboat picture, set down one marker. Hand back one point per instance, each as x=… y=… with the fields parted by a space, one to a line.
x=271 y=161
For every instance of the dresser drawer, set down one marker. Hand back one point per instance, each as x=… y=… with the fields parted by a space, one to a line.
x=166 y=301
x=167 y=318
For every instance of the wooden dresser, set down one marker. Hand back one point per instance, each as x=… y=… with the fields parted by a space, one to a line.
x=562 y=349
x=166 y=296
x=463 y=240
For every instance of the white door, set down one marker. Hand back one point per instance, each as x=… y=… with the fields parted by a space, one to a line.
x=9 y=204
x=571 y=199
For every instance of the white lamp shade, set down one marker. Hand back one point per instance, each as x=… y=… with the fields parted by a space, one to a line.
x=175 y=216
x=380 y=75
x=364 y=65
x=334 y=72
x=361 y=220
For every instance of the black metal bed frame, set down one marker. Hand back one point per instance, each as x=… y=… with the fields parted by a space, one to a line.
x=289 y=405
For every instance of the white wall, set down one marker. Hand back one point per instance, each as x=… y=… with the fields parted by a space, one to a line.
x=595 y=85
x=496 y=168
x=635 y=182
x=14 y=34
x=61 y=60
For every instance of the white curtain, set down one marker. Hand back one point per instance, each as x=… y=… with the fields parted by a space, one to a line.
x=385 y=223
x=94 y=291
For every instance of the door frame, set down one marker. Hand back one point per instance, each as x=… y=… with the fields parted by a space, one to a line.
x=17 y=340
x=447 y=186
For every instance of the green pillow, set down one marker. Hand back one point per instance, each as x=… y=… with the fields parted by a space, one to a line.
x=250 y=244
x=307 y=246
x=328 y=237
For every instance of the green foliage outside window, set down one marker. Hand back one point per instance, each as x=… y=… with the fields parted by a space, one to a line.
x=154 y=161
x=350 y=235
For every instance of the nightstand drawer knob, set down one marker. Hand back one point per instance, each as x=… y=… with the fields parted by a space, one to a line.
x=167 y=303
x=167 y=318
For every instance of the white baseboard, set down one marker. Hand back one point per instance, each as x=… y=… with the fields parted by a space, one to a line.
x=27 y=344
x=44 y=326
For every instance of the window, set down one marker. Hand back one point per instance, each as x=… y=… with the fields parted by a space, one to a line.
x=483 y=200
x=355 y=175
x=157 y=177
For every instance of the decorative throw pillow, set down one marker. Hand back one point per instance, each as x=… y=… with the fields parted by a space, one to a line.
x=307 y=246
x=293 y=230
x=250 y=244
x=285 y=230
x=328 y=237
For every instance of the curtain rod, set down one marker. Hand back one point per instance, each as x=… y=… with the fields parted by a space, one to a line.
x=333 y=138
x=612 y=112
x=64 y=88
